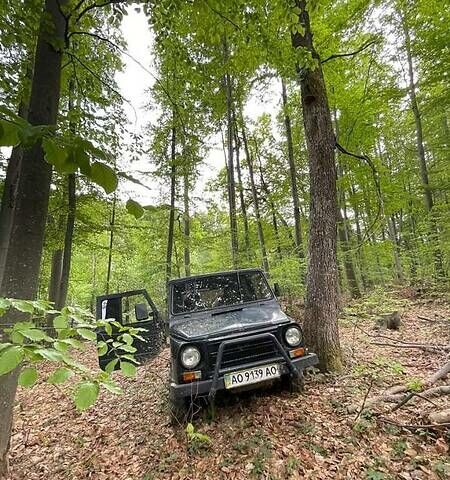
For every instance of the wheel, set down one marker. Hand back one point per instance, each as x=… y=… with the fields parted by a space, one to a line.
x=178 y=410
x=295 y=384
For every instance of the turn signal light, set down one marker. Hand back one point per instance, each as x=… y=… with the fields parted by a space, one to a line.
x=191 y=376
x=298 y=352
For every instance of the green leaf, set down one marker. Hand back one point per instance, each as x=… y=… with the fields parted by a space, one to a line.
x=85 y=395
x=55 y=154
x=87 y=334
x=61 y=322
x=134 y=208
x=128 y=369
x=23 y=306
x=28 y=377
x=127 y=338
x=60 y=376
x=30 y=134
x=104 y=176
x=50 y=354
x=128 y=348
x=111 y=365
x=10 y=358
x=113 y=388
x=190 y=429
x=82 y=160
x=34 y=334
x=102 y=348
x=9 y=134
x=4 y=305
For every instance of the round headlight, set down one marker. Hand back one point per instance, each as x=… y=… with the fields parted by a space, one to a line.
x=293 y=336
x=190 y=357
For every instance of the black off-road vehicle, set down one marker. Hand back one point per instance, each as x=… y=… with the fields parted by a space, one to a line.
x=226 y=332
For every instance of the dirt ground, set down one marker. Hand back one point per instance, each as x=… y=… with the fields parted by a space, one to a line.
x=269 y=435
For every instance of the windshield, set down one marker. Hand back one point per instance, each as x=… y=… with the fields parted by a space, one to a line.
x=203 y=293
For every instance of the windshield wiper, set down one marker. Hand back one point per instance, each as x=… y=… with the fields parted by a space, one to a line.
x=234 y=309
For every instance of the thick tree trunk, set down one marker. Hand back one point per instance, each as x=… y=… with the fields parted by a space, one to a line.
x=428 y=197
x=68 y=241
x=186 y=226
x=22 y=265
x=111 y=243
x=292 y=172
x=11 y=181
x=320 y=325
x=173 y=179
x=261 y=240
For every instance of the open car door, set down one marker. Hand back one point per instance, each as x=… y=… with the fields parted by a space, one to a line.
x=133 y=309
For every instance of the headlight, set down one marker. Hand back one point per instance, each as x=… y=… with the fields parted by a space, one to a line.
x=190 y=357
x=293 y=336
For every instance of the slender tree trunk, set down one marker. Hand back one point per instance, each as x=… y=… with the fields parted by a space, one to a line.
x=261 y=240
x=186 y=226
x=68 y=241
x=343 y=231
x=231 y=181
x=321 y=309
x=428 y=197
x=22 y=265
x=348 y=261
x=55 y=276
x=173 y=179
x=292 y=172
x=111 y=243
x=271 y=206
x=241 y=189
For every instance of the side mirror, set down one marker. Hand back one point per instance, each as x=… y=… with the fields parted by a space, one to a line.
x=141 y=312
x=276 y=289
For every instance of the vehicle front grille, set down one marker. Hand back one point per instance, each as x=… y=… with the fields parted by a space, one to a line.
x=246 y=352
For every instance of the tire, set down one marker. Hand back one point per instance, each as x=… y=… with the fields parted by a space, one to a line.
x=295 y=384
x=178 y=410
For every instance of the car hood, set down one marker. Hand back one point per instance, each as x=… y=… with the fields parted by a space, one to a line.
x=205 y=324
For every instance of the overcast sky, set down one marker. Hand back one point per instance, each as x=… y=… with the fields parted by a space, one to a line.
x=134 y=83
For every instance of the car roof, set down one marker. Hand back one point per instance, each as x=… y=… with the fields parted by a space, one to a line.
x=212 y=274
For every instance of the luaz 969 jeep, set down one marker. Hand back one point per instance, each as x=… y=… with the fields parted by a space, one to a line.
x=226 y=331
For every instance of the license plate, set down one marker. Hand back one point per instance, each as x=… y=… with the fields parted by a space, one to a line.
x=252 y=375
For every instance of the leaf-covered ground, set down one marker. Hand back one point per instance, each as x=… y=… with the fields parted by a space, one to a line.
x=272 y=434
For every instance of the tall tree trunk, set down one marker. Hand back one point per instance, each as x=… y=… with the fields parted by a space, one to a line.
x=186 y=226
x=321 y=309
x=271 y=205
x=428 y=197
x=292 y=172
x=231 y=181
x=261 y=240
x=173 y=179
x=343 y=230
x=55 y=277
x=241 y=189
x=111 y=243
x=22 y=265
x=68 y=241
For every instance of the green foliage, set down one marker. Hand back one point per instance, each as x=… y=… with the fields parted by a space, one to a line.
x=196 y=440
x=29 y=344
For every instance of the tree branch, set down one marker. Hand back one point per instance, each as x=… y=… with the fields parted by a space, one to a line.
x=94 y=5
x=350 y=54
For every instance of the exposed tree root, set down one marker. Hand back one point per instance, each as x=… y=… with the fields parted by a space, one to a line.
x=437 y=426
x=441 y=417
x=441 y=373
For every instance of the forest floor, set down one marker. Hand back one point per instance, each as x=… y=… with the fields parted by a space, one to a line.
x=271 y=434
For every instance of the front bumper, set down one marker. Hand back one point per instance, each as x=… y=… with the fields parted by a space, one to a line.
x=205 y=387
